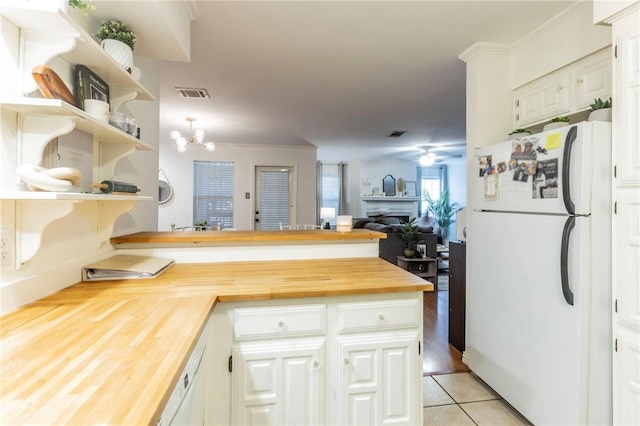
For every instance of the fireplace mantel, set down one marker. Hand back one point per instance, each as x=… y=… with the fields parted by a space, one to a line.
x=390 y=206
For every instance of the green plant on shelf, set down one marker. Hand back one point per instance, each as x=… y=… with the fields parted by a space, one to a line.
x=117 y=30
x=82 y=4
x=560 y=119
x=600 y=104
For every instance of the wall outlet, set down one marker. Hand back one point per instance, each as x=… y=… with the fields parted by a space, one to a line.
x=5 y=246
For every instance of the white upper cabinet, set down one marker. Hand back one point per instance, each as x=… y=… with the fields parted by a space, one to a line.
x=564 y=92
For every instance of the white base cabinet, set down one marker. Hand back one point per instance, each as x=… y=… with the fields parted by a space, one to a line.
x=352 y=360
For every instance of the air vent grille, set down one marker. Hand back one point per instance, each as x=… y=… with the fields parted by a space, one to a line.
x=396 y=133
x=191 y=93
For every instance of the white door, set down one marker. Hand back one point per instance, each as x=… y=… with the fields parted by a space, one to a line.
x=626 y=221
x=379 y=377
x=278 y=383
x=548 y=358
x=274 y=197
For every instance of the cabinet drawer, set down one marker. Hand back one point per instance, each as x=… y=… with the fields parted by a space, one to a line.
x=371 y=316
x=279 y=321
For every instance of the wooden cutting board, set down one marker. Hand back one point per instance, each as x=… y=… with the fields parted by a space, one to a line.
x=51 y=85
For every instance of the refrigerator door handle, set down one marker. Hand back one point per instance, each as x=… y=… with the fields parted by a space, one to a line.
x=564 y=259
x=566 y=170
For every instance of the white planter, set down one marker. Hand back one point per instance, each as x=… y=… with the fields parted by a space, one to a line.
x=119 y=51
x=554 y=125
x=603 y=114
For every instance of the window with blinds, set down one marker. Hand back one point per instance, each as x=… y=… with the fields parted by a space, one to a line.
x=330 y=188
x=275 y=197
x=213 y=193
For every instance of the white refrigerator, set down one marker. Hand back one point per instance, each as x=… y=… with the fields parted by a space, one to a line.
x=538 y=320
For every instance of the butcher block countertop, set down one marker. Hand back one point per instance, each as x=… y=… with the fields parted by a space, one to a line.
x=110 y=352
x=247 y=237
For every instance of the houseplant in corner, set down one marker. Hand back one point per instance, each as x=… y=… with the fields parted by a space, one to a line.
x=600 y=110
x=442 y=210
x=118 y=40
x=410 y=234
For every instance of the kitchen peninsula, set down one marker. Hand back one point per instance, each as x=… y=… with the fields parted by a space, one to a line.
x=111 y=352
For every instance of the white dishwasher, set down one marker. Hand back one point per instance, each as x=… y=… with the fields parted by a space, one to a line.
x=187 y=401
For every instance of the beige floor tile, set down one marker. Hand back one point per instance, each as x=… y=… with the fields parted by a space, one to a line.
x=446 y=415
x=492 y=413
x=432 y=393
x=464 y=387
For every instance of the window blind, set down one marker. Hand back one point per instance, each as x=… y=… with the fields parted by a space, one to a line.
x=213 y=193
x=275 y=198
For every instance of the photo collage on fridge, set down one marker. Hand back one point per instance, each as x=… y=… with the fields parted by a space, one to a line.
x=527 y=165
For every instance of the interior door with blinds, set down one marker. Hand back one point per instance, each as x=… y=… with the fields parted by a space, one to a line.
x=274 y=202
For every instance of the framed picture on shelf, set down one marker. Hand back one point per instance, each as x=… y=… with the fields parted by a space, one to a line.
x=410 y=188
x=89 y=85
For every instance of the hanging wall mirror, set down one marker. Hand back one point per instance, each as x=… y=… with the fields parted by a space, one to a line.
x=165 y=190
x=389 y=186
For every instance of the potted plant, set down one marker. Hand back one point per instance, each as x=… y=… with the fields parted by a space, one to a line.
x=118 y=40
x=201 y=225
x=519 y=133
x=557 y=122
x=442 y=210
x=81 y=4
x=410 y=234
x=600 y=110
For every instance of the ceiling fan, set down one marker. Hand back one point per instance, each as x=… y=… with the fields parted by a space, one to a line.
x=435 y=155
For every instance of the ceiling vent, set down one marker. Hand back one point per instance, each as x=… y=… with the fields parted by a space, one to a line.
x=190 y=93
x=396 y=133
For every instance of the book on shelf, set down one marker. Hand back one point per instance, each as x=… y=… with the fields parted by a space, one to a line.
x=88 y=85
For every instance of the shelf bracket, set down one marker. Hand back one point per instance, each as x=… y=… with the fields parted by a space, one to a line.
x=38 y=48
x=109 y=157
x=31 y=221
x=108 y=212
x=118 y=96
x=36 y=132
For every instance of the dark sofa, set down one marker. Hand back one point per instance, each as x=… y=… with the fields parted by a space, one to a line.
x=393 y=246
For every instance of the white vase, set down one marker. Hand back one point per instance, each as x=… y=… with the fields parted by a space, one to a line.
x=603 y=114
x=119 y=51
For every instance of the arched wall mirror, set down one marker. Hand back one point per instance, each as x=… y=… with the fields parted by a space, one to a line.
x=389 y=186
x=165 y=190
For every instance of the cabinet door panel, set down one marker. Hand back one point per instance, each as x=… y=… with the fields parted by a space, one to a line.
x=380 y=379
x=278 y=383
x=593 y=81
x=544 y=99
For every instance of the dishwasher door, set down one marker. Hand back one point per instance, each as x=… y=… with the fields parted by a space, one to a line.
x=191 y=410
x=186 y=405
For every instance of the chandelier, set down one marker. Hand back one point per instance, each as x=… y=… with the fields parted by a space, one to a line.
x=196 y=137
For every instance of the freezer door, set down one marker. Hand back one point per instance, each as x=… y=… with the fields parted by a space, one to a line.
x=523 y=338
x=550 y=172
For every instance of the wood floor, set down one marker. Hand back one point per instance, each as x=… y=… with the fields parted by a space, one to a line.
x=439 y=357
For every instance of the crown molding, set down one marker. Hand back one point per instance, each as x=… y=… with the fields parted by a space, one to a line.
x=192 y=9
x=483 y=47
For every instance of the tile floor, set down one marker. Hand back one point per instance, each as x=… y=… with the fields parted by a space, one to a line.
x=462 y=399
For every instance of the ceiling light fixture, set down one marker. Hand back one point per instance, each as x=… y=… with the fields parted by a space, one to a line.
x=427 y=159
x=196 y=137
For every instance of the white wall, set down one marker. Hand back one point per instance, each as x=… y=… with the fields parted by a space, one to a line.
x=179 y=170
x=567 y=37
